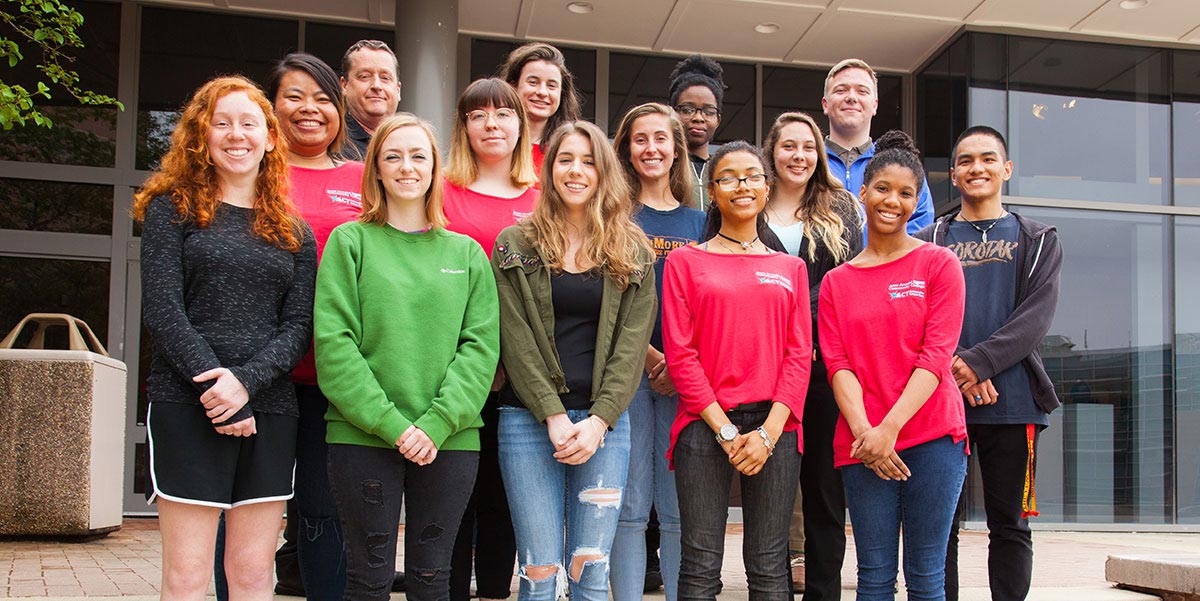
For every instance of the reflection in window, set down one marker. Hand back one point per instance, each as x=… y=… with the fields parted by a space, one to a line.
x=182 y=49
x=488 y=56
x=82 y=135
x=636 y=79
x=1106 y=456
x=78 y=288
x=42 y=206
x=1187 y=369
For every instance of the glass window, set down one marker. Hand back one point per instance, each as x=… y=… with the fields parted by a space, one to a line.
x=941 y=116
x=636 y=79
x=183 y=49
x=1106 y=457
x=488 y=56
x=1187 y=368
x=329 y=42
x=42 y=206
x=82 y=135
x=78 y=288
x=1088 y=121
x=1185 y=113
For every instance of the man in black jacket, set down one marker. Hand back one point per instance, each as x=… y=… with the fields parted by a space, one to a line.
x=1012 y=266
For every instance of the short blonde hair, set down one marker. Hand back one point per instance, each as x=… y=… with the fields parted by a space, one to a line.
x=374 y=197
x=482 y=93
x=852 y=63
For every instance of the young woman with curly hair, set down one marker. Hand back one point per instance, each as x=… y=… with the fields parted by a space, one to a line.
x=815 y=218
x=576 y=310
x=228 y=272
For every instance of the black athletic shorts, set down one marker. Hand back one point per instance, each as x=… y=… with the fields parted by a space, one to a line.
x=191 y=463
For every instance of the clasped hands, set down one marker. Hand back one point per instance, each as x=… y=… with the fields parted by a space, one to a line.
x=975 y=392
x=748 y=452
x=223 y=399
x=876 y=448
x=575 y=442
x=416 y=446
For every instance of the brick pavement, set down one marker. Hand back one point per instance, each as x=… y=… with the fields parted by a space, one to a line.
x=127 y=563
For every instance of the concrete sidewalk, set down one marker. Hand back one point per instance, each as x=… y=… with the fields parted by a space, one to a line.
x=1068 y=565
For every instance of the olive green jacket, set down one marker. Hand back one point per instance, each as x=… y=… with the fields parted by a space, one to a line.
x=527 y=348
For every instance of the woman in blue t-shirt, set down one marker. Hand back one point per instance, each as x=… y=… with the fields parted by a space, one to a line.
x=650 y=144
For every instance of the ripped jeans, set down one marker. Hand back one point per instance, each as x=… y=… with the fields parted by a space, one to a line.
x=565 y=516
x=368 y=484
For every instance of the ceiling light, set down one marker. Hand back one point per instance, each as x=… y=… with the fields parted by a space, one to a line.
x=1134 y=4
x=581 y=8
x=767 y=28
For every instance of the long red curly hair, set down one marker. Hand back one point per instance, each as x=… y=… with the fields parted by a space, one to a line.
x=188 y=176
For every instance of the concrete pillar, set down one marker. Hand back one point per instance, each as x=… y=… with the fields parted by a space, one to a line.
x=427 y=47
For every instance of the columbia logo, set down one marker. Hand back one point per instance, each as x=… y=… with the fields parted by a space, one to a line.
x=444 y=270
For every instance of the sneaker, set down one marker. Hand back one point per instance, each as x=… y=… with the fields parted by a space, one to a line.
x=796 y=561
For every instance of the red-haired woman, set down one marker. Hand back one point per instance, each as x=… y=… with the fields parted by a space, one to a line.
x=227 y=284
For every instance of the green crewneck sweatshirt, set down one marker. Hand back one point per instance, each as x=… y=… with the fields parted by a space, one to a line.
x=407 y=333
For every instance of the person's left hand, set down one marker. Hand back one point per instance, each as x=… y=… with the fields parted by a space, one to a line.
x=589 y=435
x=245 y=427
x=225 y=397
x=752 y=455
x=416 y=446
x=875 y=444
x=983 y=393
x=662 y=383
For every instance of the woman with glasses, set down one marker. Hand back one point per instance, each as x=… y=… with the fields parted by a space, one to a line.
x=489 y=179
x=738 y=338
x=539 y=73
x=697 y=92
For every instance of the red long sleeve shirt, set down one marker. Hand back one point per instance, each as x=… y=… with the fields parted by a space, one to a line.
x=736 y=329
x=884 y=321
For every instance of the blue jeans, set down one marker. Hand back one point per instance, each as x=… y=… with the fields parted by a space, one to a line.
x=923 y=506
x=650 y=482
x=565 y=516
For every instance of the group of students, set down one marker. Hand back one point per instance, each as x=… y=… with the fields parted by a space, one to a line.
x=537 y=340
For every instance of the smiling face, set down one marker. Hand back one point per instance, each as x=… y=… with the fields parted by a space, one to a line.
x=540 y=88
x=574 y=173
x=743 y=203
x=698 y=128
x=371 y=87
x=851 y=101
x=980 y=168
x=795 y=155
x=308 y=117
x=237 y=137
x=651 y=148
x=890 y=199
x=405 y=164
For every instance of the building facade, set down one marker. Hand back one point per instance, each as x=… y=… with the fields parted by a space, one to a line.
x=1103 y=136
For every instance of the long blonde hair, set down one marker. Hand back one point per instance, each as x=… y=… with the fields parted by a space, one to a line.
x=612 y=241
x=816 y=209
x=374 y=197
x=679 y=176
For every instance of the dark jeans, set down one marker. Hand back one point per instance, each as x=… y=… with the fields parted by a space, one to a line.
x=1002 y=453
x=313 y=543
x=369 y=485
x=703 y=476
x=486 y=532
x=823 y=497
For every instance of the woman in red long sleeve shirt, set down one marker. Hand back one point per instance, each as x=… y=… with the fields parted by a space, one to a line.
x=889 y=321
x=737 y=331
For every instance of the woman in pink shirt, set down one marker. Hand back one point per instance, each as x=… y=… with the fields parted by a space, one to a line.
x=889 y=322
x=738 y=338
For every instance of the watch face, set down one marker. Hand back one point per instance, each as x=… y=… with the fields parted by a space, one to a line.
x=728 y=432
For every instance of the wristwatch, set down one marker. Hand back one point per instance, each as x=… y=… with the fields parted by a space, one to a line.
x=727 y=433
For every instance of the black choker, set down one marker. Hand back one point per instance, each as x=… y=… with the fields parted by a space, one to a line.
x=745 y=245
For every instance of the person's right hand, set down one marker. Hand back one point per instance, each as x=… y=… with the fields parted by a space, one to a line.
x=890 y=468
x=983 y=393
x=561 y=430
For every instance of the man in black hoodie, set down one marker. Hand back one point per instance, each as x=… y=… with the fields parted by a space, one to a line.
x=1012 y=266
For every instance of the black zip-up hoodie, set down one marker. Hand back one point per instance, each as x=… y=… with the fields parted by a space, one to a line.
x=1039 y=263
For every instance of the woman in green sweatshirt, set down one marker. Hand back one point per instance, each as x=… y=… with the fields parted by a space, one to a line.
x=407 y=340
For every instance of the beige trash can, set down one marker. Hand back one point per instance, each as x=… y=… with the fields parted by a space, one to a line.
x=62 y=434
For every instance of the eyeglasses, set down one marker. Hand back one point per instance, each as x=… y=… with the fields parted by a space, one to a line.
x=687 y=110
x=730 y=183
x=479 y=117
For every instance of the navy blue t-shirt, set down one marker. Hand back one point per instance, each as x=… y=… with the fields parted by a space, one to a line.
x=990 y=269
x=667 y=231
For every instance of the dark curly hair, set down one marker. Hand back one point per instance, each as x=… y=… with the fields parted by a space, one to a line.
x=896 y=148
x=697 y=70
